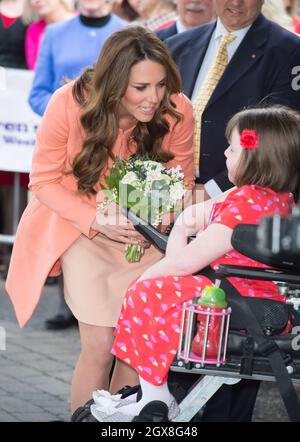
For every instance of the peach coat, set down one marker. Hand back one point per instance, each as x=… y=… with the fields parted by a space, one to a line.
x=57 y=214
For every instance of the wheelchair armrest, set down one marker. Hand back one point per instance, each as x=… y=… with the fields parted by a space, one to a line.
x=226 y=271
x=244 y=240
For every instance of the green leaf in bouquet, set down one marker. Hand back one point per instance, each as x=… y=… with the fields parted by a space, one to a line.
x=129 y=195
x=115 y=178
x=122 y=167
x=107 y=181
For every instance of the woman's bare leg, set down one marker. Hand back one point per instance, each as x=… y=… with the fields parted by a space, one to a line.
x=94 y=363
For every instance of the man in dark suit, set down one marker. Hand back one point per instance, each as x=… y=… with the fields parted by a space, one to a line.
x=261 y=60
x=191 y=13
x=260 y=70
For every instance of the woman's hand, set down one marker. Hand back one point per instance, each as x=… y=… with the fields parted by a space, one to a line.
x=113 y=224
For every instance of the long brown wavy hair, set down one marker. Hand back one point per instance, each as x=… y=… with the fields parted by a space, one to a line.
x=99 y=91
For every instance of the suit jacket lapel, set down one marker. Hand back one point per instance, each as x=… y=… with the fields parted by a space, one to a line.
x=248 y=53
x=191 y=59
x=172 y=30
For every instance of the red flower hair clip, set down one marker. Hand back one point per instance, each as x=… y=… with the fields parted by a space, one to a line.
x=249 y=139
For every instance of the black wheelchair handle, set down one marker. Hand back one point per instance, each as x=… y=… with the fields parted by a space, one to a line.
x=155 y=237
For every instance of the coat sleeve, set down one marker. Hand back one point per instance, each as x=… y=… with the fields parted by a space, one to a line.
x=181 y=140
x=43 y=82
x=50 y=161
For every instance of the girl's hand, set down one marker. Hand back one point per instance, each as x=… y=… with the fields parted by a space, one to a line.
x=111 y=223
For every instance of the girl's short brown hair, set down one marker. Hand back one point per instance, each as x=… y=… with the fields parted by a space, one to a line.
x=275 y=163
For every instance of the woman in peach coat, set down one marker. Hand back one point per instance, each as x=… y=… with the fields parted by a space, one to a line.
x=129 y=103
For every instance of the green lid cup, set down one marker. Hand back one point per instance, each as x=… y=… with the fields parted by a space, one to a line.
x=213 y=297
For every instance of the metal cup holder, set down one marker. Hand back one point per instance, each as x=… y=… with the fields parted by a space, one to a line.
x=203 y=334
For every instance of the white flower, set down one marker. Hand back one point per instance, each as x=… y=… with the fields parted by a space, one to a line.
x=153 y=175
x=129 y=178
x=175 y=173
x=154 y=165
x=176 y=192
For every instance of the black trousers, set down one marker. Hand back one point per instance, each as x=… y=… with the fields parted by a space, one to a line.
x=231 y=403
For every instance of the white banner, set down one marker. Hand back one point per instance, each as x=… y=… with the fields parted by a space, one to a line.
x=18 y=123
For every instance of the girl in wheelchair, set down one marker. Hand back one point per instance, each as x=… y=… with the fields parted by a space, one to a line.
x=263 y=162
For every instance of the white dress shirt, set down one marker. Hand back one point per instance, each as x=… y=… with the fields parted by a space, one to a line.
x=180 y=26
x=212 y=50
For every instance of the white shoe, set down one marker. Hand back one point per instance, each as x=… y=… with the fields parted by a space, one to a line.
x=108 y=412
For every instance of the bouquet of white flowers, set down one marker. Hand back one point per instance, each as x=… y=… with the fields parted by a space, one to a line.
x=147 y=188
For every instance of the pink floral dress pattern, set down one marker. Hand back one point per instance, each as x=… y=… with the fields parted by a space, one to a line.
x=147 y=333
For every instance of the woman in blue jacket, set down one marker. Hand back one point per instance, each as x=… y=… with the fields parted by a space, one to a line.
x=69 y=47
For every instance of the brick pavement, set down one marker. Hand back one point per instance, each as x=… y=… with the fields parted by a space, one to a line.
x=37 y=365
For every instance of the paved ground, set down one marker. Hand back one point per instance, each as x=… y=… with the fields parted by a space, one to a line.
x=36 y=368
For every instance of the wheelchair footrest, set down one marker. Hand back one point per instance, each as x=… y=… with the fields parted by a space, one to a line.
x=199 y=395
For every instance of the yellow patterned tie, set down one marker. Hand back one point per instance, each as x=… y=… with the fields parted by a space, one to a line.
x=210 y=81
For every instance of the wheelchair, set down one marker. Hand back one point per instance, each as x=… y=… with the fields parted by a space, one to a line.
x=251 y=344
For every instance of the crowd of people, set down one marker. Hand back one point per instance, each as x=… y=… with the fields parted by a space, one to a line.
x=179 y=80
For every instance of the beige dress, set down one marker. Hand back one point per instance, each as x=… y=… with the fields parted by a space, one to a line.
x=96 y=276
